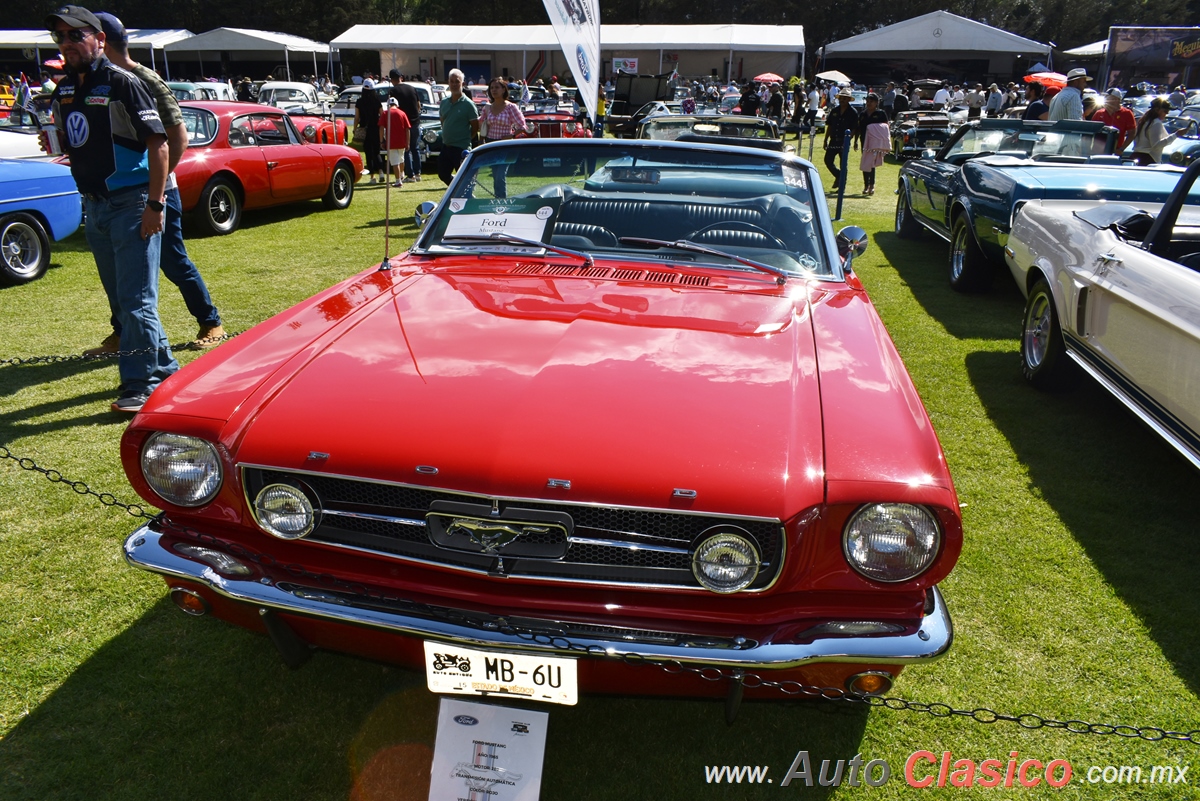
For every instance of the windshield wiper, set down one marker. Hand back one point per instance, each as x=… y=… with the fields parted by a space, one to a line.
x=518 y=240
x=690 y=246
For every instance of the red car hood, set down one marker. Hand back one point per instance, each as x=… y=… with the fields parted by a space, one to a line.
x=627 y=391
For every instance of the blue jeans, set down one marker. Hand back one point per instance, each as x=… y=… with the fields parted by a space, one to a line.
x=412 y=158
x=179 y=270
x=128 y=267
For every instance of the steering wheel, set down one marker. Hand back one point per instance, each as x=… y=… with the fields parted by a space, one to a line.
x=738 y=225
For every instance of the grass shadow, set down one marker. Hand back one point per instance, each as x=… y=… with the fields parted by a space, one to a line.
x=1119 y=489
x=922 y=263
x=175 y=707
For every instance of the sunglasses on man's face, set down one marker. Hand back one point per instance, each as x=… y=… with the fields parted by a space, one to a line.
x=76 y=35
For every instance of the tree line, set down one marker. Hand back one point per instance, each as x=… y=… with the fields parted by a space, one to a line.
x=1067 y=23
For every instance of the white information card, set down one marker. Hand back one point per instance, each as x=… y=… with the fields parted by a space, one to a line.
x=486 y=752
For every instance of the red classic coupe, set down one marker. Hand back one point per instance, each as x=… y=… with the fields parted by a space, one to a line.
x=547 y=124
x=246 y=156
x=622 y=420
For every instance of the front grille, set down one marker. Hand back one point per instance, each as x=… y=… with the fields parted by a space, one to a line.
x=605 y=544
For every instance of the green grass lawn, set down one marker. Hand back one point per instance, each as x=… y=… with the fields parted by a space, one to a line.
x=1075 y=596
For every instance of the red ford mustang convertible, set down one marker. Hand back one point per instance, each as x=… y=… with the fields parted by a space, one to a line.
x=246 y=156
x=623 y=401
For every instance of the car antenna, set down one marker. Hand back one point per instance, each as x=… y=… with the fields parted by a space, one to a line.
x=387 y=196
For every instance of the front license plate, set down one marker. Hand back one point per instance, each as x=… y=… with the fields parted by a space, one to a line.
x=933 y=143
x=465 y=671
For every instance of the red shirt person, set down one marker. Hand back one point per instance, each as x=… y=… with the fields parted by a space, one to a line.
x=1117 y=116
x=394 y=132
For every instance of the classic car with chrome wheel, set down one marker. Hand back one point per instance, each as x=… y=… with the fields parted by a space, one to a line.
x=38 y=203
x=622 y=401
x=966 y=192
x=242 y=157
x=1114 y=290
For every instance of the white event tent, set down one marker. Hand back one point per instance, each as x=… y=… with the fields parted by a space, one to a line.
x=938 y=36
x=143 y=42
x=691 y=49
x=249 y=45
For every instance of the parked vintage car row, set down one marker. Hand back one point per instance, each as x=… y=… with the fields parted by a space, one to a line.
x=1107 y=254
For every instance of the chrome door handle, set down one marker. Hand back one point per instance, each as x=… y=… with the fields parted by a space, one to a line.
x=1108 y=258
x=272 y=165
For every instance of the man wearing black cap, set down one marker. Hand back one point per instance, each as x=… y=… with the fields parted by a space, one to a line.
x=410 y=103
x=173 y=260
x=111 y=129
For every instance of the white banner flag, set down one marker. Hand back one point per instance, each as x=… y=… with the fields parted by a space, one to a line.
x=577 y=26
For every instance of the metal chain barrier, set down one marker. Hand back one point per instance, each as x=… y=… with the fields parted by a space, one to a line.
x=673 y=667
x=80 y=357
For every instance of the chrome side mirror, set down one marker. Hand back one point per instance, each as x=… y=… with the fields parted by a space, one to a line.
x=928 y=154
x=424 y=211
x=851 y=242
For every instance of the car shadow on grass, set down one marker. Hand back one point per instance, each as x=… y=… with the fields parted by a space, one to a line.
x=922 y=263
x=1125 y=495
x=177 y=707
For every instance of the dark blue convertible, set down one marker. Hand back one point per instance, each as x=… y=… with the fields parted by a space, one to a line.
x=967 y=191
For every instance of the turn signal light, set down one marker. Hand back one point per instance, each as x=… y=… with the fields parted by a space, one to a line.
x=189 y=601
x=873 y=682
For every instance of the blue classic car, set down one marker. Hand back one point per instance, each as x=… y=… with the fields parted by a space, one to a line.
x=38 y=201
x=967 y=191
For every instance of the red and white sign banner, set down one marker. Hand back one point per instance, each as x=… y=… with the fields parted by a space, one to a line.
x=577 y=26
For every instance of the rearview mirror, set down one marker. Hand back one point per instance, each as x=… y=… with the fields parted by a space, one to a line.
x=423 y=213
x=851 y=242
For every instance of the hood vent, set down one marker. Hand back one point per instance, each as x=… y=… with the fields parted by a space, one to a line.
x=650 y=276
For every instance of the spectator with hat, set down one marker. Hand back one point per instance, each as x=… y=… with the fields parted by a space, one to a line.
x=119 y=159
x=1068 y=103
x=173 y=259
x=1116 y=115
x=840 y=120
x=395 y=131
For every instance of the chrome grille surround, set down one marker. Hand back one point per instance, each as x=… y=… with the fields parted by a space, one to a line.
x=612 y=545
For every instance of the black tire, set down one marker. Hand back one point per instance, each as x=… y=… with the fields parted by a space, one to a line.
x=220 y=208
x=970 y=270
x=1044 y=360
x=24 y=249
x=906 y=226
x=341 y=187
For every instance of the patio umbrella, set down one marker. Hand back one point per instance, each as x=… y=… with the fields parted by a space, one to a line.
x=57 y=63
x=834 y=75
x=1055 y=79
x=768 y=77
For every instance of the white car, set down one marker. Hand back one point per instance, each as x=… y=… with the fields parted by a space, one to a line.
x=292 y=96
x=1114 y=289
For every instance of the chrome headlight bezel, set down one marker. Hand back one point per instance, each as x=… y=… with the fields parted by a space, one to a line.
x=916 y=535
x=207 y=484
x=735 y=542
x=307 y=500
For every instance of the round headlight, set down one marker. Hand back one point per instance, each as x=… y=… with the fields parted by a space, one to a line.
x=726 y=561
x=310 y=132
x=284 y=511
x=891 y=541
x=183 y=470
x=430 y=136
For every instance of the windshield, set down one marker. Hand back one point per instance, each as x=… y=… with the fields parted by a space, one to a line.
x=599 y=199
x=271 y=97
x=1034 y=143
x=671 y=127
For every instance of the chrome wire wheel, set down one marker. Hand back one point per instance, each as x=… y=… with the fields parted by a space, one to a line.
x=222 y=207
x=1036 y=337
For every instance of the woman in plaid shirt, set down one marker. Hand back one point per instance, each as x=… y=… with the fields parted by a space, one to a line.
x=496 y=121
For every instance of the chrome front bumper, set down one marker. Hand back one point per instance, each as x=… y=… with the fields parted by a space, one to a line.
x=144 y=549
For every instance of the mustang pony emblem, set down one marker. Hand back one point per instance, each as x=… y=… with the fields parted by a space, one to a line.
x=489 y=536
